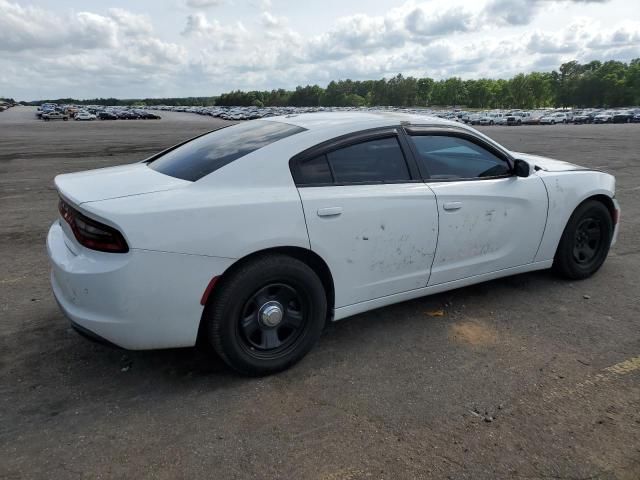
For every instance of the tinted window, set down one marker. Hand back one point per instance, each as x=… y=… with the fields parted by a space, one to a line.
x=378 y=160
x=452 y=157
x=205 y=154
x=313 y=171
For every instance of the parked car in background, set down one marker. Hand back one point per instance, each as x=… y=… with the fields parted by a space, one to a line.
x=604 y=117
x=107 y=116
x=126 y=115
x=517 y=118
x=474 y=118
x=275 y=227
x=554 y=118
x=143 y=114
x=82 y=115
x=54 y=115
x=533 y=118
x=493 y=118
x=584 y=117
x=623 y=116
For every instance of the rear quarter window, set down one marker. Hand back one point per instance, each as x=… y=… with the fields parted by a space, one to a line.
x=212 y=151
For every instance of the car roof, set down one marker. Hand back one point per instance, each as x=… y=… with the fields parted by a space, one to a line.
x=353 y=121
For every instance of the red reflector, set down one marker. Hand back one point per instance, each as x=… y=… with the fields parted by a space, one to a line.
x=209 y=289
x=616 y=216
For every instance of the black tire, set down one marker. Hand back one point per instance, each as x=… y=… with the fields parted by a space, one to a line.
x=235 y=326
x=585 y=242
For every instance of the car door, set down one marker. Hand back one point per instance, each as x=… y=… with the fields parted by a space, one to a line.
x=368 y=214
x=489 y=219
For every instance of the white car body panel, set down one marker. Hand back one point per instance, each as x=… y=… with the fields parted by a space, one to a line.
x=566 y=191
x=381 y=243
x=477 y=237
x=182 y=234
x=139 y=300
x=114 y=182
x=348 y=311
x=567 y=185
x=547 y=164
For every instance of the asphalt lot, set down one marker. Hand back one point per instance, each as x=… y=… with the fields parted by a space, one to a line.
x=525 y=377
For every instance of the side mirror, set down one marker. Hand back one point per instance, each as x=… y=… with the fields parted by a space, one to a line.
x=521 y=168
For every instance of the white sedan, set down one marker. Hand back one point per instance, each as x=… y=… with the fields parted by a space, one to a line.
x=86 y=116
x=251 y=237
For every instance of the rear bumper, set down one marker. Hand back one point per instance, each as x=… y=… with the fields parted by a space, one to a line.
x=88 y=334
x=138 y=300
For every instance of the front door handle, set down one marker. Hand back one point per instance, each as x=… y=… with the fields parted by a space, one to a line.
x=452 y=206
x=329 y=211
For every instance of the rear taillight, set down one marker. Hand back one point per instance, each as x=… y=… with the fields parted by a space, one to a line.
x=92 y=234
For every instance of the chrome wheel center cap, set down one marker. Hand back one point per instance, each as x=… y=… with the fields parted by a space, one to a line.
x=271 y=314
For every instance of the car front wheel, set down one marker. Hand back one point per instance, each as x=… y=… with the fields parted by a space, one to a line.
x=266 y=315
x=585 y=242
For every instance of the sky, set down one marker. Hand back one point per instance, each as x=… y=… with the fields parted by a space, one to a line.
x=174 y=48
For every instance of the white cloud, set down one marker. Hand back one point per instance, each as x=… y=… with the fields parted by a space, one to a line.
x=130 y=23
x=270 y=21
x=215 y=35
x=203 y=3
x=119 y=53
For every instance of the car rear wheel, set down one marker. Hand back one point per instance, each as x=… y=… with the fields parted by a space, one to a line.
x=266 y=315
x=585 y=242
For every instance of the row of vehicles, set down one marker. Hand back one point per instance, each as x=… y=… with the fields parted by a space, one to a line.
x=552 y=117
x=5 y=105
x=483 y=118
x=52 y=111
x=245 y=113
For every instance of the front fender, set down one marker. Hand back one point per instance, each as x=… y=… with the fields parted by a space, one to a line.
x=567 y=190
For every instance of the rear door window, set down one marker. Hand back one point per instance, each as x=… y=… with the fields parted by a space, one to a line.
x=313 y=171
x=375 y=161
x=208 y=153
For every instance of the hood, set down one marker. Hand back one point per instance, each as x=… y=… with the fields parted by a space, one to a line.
x=546 y=164
x=114 y=182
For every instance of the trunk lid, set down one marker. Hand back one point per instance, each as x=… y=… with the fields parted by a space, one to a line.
x=114 y=182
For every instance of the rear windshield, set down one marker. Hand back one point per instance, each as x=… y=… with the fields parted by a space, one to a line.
x=212 y=151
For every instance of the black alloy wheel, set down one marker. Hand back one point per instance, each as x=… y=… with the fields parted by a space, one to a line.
x=588 y=240
x=266 y=314
x=272 y=319
x=585 y=242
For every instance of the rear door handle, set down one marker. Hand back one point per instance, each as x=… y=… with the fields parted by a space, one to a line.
x=329 y=211
x=452 y=206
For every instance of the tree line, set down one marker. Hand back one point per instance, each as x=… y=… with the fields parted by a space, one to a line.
x=179 y=101
x=594 y=84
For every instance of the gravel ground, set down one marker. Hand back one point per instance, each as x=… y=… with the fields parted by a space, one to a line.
x=525 y=377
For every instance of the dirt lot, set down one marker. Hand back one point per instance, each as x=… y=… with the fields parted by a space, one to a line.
x=525 y=377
